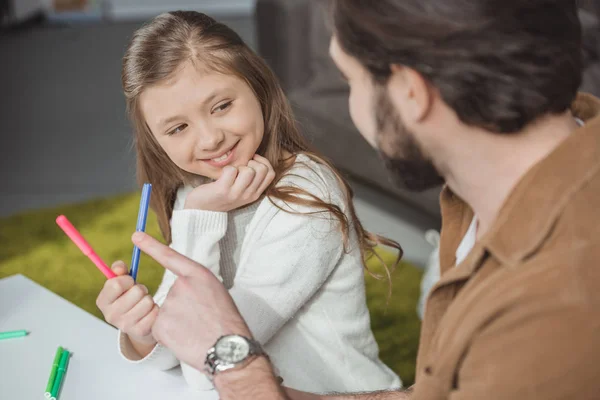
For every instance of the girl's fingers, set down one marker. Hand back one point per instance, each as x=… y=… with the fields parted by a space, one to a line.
x=139 y=311
x=113 y=289
x=243 y=180
x=144 y=326
x=270 y=173
x=129 y=300
x=228 y=176
x=261 y=174
x=265 y=162
x=119 y=268
x=262 y=160
x=268 y=180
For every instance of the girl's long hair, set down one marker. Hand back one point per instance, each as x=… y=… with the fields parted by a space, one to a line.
x=156 y=51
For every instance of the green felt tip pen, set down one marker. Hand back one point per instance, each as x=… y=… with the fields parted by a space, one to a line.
x=13 y=334
x=60 y=374
x=55 y=363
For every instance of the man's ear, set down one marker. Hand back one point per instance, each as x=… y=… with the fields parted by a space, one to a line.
x=410 y=93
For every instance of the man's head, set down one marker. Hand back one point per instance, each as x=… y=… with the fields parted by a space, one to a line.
x=421 y=70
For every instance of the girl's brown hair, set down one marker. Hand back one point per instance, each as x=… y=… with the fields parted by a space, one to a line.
x=157 y=50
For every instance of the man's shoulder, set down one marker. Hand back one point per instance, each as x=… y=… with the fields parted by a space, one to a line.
x=562 y=273
x=572 y=248
x=565 y=263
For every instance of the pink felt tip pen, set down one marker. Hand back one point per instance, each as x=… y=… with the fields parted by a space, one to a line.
x=76 y=237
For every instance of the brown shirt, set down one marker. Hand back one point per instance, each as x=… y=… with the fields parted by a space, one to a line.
x=519 y=318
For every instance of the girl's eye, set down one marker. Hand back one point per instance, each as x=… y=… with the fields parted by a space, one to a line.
x=177 y=129
x=223 y=106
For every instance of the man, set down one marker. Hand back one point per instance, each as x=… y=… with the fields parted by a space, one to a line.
x=480 y=95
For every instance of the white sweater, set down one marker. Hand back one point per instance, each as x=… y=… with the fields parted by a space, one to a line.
x=302 y=296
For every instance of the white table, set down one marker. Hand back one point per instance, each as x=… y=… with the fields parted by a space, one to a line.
x=96 y=371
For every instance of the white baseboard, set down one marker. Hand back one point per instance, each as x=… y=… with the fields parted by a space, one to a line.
x=119 y=12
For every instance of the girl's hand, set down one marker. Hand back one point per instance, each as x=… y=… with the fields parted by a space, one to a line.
x=235 y=188
x=128 y=306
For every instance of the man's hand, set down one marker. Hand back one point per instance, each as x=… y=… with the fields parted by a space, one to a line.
x=198 y=309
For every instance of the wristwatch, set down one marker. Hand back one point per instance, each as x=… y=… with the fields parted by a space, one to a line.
x=231 y=351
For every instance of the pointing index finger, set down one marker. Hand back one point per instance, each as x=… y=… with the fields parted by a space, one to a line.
x=175 y=262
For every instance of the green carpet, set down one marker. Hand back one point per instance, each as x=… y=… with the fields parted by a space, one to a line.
x=33 y=245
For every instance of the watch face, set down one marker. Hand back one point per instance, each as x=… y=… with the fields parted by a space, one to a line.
x=232 y=349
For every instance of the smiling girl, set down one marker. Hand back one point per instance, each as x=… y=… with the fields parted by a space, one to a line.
x=238 y=189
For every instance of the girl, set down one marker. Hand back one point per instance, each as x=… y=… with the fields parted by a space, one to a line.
x=237 y=189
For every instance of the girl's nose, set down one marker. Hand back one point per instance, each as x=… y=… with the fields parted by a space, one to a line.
x=210 y=140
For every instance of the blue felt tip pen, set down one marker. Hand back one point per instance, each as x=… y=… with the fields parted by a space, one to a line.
x=141 y=227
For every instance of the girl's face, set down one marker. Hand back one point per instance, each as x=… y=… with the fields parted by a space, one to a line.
x=204 y=120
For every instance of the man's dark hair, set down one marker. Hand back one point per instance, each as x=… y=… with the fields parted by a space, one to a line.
x=499 y=64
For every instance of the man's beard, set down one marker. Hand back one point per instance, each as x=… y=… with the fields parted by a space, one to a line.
x=406 y=163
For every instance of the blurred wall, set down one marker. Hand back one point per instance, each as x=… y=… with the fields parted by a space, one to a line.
x=135 y=9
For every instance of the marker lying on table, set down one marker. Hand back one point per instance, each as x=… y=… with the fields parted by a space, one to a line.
x=76 y=237
x=53 y=372
x=13 y=334
x=60 y=374
x=140 y=227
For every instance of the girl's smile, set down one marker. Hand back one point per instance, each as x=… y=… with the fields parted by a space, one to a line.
x=224 y=158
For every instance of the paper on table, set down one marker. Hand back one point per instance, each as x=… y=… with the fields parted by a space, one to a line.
x=96 y=370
